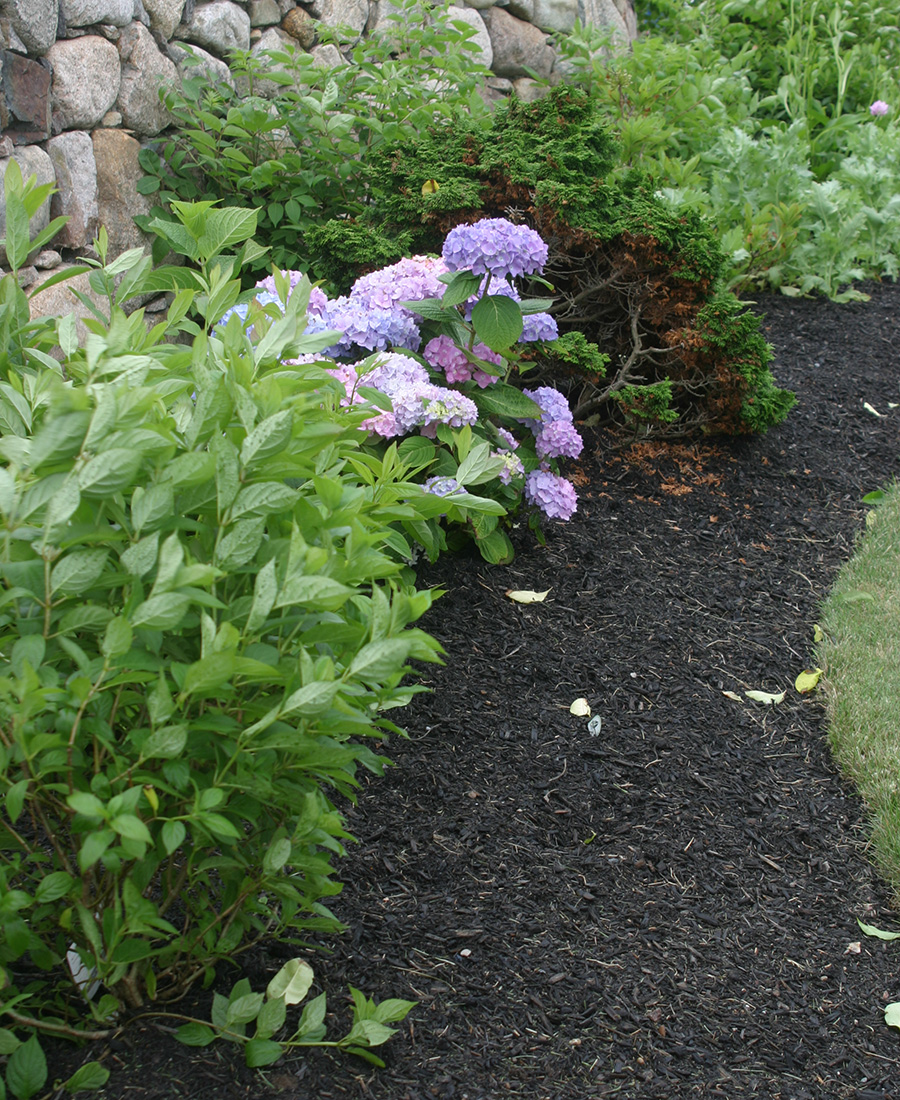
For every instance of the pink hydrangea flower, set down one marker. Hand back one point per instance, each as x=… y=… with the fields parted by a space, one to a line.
x=879 y=107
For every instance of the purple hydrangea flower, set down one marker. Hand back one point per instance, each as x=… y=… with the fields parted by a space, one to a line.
x=364 y=326
x=494 y=246
x=450 y=407
x=512 y=466
x=498 y=286
x=442 y=486
x=555 y=496
x=443 y=352
x=879 y=107
x=552 y=404
x=538 y=326
x=558 y=439
x=410 y=280
x=508 y=439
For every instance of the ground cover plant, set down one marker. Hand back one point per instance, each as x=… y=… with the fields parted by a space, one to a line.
x=859 y=631
x=778 y=120
x=627 y=273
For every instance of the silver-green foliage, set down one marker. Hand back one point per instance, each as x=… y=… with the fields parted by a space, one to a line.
x=202 y=621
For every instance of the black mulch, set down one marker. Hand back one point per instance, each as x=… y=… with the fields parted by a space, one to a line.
x=664 y=910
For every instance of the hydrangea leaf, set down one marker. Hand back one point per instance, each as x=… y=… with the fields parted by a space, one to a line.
x=765 y=697
x=807 y=680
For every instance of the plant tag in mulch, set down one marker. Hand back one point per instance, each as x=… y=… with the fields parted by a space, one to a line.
x=581 y=708
x=595 y=725
x=765 y=697
x=527 y=596
x=807 y=680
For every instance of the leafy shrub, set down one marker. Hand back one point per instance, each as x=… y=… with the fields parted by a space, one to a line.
x=299 y=152
x=629 y=270
x=204 y=620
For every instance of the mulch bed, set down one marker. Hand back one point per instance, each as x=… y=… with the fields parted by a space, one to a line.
x=664 y=910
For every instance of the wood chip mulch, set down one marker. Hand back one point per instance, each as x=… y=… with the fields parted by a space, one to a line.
x=667 y=909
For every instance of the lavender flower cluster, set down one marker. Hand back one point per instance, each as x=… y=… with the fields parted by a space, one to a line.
x=371 y=319
x=494 y=246
x=416 y=402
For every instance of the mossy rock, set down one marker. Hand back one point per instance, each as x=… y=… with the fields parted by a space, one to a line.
x=638 y=278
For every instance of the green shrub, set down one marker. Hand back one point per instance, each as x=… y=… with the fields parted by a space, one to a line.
x=204 y=619
x=629 y=270
x=298 y=153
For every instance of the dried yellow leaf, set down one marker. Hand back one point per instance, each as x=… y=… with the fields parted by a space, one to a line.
x=526 y=595
x=807 y=680
x=581 y=708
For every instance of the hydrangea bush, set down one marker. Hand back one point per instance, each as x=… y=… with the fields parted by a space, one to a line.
x=432 y=342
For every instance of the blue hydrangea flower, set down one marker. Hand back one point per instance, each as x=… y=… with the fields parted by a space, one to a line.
x=538 y=326
x=552 y=404
x=365 y=326
x=410 y=280
x=494 y=246
x=558 y=439
x=442 y=486
x=554 y=495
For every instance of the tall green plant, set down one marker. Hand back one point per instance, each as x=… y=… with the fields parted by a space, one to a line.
x=299 y=152
x=203 y=619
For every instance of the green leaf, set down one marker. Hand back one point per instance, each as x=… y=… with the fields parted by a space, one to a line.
x=277 y=855
x=507 y=401
x=392 y=1008
x=150 y=506
x=241 y=543
x=53 y=886
x=209 y=674
x=268 y=438
x=322 y=592
x=195 y=1035
x=166 y=743
x=244 y=1009
x=108 y=472
x=460 y=288
x=497 y=321
x=83 y=802
x=271 y=1018
x=15 y=799
x=8 y=1042
x=141 y=557
x=87 y=1078
x=173 y=834
x=892 y=1014
x=262 y=498
x=265 y=589
x=131 y=826
x=311 y=1026
x=18 y=237
x=292 y=982
x=117 y=639
x=26 y=1071
x=224 y=228
x=78 y=571
x=163 y=612
x=371 y=1032
x=262 y=1052
x=311 y=699
x=93 y=847
x=378 y=661
x=871 y=930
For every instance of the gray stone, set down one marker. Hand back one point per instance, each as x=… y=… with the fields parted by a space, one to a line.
x=118 y=200
x=344 y=13
x=144 y=71
x=140 y=13
x=220 y=26
x=529 y=90
x=483 y=5
x=483 y=52
x=164 y=15
x=60 y=300
x=264 y=13
x=328 y=56
x=87 y=13
x=521 y=9
x=86 y=78
x=193 y=61
x=556 y=16
x=25 y=98
x=111 y=119
x=518 y=46
x=34 y=22
x=72 y=155
x=32 y=161
x=606 y=14
x=48 y=259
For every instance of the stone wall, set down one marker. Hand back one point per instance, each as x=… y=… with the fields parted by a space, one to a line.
x=79 y=81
